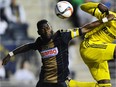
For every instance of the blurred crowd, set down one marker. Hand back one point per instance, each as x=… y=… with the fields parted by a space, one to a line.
x=14 y=32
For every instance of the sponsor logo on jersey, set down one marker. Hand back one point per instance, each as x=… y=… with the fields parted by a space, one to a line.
x=49 y=53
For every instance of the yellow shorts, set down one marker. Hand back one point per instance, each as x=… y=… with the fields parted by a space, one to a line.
x=95 y=55
x=96 y=51
x=74 y=83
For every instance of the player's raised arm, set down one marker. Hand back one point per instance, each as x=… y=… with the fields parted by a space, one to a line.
x=18 y=50
x=88 y=27
x=96 y=9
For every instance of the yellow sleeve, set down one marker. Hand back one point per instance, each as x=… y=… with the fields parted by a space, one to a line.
x=71 y=33
x=74 y=32
x=92 y=8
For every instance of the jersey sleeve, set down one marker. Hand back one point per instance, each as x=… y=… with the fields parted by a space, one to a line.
x=34 y=45
x=92 y=8
x=68 y=34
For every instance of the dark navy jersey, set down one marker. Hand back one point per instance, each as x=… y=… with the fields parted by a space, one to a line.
x=55 y=55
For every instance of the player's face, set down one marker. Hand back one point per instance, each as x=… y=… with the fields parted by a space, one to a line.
x=46 y=31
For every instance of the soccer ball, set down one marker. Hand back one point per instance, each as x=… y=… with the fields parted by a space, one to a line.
x=63 y=9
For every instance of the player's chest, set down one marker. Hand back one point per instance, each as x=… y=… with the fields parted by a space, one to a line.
x=50 y=50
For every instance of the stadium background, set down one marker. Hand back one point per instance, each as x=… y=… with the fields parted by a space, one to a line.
x=44 y=9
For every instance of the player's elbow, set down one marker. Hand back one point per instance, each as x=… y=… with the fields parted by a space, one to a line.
x=84 y=7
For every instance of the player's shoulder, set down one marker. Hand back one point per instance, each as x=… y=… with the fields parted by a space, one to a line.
x=68 y=30
x=64 y=30
x=61 y=32
x=38 y=40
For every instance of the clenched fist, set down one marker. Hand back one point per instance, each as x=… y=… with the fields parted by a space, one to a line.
x=103 y=9
x=6 y=60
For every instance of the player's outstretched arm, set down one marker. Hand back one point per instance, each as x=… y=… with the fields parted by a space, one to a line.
x=18 y=50
x=88 y=27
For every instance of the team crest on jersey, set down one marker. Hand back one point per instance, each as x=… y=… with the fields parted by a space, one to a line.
x=49 y=53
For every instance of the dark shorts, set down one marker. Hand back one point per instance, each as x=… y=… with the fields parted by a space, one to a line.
x=42 y=84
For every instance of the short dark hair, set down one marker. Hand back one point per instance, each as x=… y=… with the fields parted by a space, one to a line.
x=41 y=22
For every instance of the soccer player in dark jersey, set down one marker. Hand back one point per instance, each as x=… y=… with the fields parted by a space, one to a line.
x=53 y=48
x=97 y=47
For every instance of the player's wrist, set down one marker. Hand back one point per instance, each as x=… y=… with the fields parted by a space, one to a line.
x=105 y=19
x=11 y=54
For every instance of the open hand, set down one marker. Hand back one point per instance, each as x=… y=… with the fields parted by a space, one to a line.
x=5 y=60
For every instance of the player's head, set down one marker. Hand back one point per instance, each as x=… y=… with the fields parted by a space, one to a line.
x=44 y=29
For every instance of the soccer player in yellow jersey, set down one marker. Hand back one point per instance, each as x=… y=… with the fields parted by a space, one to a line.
x=97 y=47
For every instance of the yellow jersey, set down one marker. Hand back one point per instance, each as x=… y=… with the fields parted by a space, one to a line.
x=105 y=32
